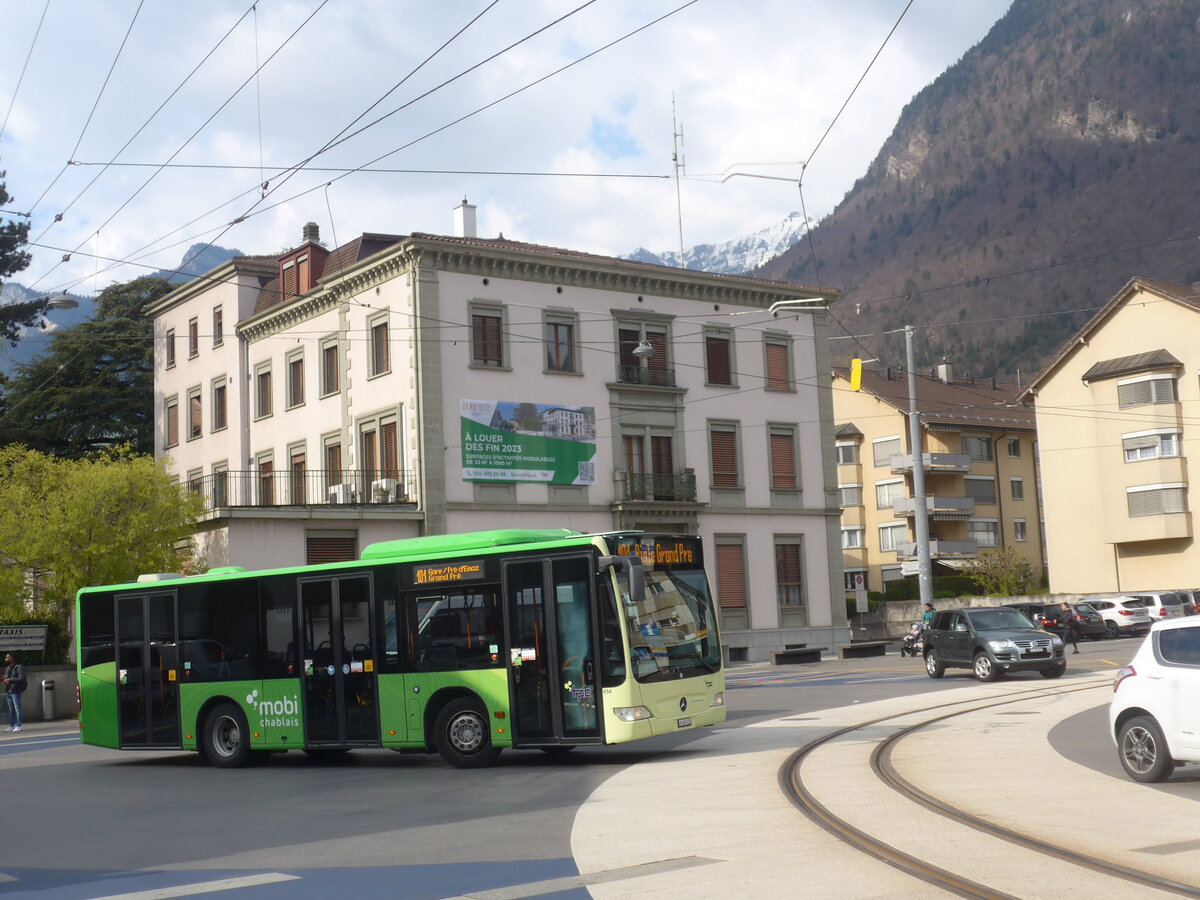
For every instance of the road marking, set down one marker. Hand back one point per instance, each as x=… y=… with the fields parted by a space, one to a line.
x=204 y=887
x=573 y=882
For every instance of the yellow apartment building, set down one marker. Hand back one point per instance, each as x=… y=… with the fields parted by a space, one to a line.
x=1118 y=421
x=978 y=450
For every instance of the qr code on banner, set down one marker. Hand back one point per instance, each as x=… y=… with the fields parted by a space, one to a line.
x=587 y=472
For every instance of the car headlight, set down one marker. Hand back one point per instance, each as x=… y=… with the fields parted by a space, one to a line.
x=632 y=713
x=1055 y=640
x=718 y=699
x=1005 y=644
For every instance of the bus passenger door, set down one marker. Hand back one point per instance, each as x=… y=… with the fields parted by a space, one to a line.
x=147 y=671
x=340 y=702
x=552 y=655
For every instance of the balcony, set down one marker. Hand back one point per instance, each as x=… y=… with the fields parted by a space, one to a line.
x=311 y=487
x=942 y=507
x=939 y=549
x=679 y=488
x=934 y=463
x=653 y=377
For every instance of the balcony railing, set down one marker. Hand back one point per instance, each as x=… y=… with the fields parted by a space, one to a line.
x=933 y=462
x=646 y=375
x=310 y=487
x=674 y=488
x=939 y=506
x=939 y=549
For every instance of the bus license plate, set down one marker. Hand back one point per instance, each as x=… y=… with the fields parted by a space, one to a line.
x=683 y=723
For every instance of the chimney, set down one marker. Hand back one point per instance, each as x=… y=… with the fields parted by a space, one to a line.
x=312 y=233
x=464 y=220
x=945 y=372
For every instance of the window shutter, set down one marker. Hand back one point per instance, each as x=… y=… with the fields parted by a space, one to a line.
x=662 y=457
x=289 y=281
x=302 y=275
x=219 y=407
x=379 y=348
x=731 y=576
x=658 y=359
x=724 y=459
x=486 y=340
x=627 y=340
x=172 y=424
x=320 y=550
x=333 y=464
x=783 y=462
x=195 y=420
x=717 y=353
x=777 y=367
x=1141 y=443
x=884 y=451
x=789 y=574
x=1173 y=500
x=391 y=464
x=981 y=490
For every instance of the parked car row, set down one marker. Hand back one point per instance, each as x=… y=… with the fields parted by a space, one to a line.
x=1051 y=617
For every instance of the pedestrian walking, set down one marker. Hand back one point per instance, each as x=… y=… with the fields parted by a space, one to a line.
x=927 y=615
x=1070 y=628
x=14 y=687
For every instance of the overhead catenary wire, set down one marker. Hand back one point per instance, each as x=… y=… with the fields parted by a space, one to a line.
x=21 y=78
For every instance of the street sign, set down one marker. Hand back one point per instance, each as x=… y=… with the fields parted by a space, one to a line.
x=23 y=637
x=910 y=567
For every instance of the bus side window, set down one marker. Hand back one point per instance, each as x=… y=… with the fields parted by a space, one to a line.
x=612 y=651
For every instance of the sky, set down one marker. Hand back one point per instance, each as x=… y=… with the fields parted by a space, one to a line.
x=577 y=103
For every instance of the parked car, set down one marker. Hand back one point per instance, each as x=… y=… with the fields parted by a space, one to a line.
x=1153 y=716
x=1161 y=604
x=1122 y=616
x=1048 y=617
x=991 y=641
x=1191 y=601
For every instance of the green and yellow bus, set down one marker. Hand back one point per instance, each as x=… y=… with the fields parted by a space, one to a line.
x=461 y=644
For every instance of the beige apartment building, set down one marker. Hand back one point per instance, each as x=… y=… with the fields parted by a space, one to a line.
x=979 y=456
x=1118 y=409
x=322 y=399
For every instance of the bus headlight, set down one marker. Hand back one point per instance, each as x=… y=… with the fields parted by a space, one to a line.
x=718 y=699
x=632 y=713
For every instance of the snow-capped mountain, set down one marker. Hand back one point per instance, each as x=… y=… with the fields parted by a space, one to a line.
x=735 y=256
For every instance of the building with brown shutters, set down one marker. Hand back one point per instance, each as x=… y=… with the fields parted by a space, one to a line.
x=979 y=451
x=405 y=385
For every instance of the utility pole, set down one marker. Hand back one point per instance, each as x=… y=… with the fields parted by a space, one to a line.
x=678 y=162
x=921 y=511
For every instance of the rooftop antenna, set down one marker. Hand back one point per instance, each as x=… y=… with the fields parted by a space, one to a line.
x=680 y=164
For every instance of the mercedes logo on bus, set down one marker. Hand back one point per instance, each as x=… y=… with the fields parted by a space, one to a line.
x=683 y=704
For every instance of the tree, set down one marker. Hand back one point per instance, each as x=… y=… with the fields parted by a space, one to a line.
x=1002 y=572
x=14 y=317
x=94 y=387
x=104 y=519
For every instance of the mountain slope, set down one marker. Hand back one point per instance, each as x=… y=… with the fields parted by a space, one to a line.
x=735 y=256
x=1059 y=157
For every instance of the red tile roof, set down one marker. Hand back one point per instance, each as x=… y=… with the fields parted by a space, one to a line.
x=966 y=403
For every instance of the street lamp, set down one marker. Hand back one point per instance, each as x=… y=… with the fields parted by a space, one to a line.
x=61 y=301
x=797 y=303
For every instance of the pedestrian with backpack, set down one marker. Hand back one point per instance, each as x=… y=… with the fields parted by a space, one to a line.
x=14 y=687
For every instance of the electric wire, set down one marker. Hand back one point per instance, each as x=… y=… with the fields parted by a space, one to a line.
x=24 y=67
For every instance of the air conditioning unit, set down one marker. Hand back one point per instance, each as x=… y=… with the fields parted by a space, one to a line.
x=341 y=493
x=383 y=490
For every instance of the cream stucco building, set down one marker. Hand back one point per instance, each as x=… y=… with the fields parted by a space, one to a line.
x=321 y=400
x=1117 y=414
x=979 y=456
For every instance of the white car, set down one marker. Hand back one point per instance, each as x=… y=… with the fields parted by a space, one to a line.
x=1154 y=717
x=1122 y=616
x=1161 y=604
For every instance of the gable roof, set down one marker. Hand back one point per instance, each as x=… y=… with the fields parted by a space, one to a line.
x=1183 y=294
x=961 y=403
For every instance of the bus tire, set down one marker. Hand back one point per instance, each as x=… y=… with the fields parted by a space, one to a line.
x=226 y=738
x=462 y=736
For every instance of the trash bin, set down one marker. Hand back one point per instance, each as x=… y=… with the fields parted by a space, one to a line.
x=48 y=699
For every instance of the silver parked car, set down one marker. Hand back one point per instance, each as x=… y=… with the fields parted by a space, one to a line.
x=1123 y=616
x=1162 y=604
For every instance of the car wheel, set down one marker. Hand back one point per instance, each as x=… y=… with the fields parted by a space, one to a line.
x=1112 y=630
x=462 y=735
x=985 y=669
x=1054 y=671
x=1144 y=753
x=934 y=666
x=226 y=738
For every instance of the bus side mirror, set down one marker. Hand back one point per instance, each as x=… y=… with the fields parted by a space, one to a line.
x=634 y=572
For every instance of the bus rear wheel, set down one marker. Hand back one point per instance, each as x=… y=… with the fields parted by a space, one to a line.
x=226 y=738
x=462 y=736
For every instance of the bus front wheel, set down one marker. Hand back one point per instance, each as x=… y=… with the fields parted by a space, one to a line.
x=462 y=736
x=226 y=737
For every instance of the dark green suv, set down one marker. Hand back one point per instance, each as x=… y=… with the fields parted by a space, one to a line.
x=991 y=642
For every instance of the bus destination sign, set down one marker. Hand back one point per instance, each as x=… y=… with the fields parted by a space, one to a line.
x=447 y=573
x=662 y=552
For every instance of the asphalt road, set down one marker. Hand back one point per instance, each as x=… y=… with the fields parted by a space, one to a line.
x=80 y=822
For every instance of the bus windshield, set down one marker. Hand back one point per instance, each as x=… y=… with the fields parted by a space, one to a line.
x=673 y=632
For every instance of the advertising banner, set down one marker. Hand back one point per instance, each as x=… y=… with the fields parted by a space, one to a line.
x=512 y=441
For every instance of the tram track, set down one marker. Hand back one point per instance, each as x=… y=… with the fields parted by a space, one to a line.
x=881 y=764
